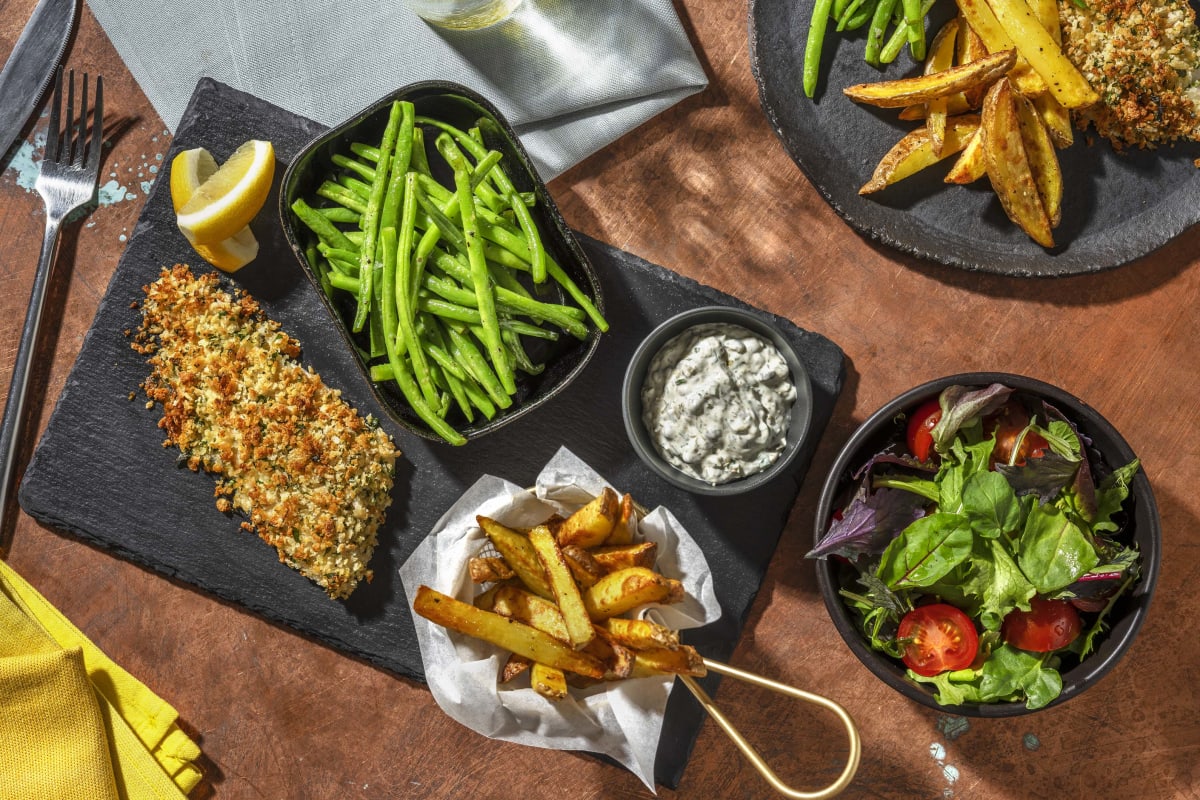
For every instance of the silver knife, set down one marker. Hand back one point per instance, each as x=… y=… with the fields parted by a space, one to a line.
x=31 y=65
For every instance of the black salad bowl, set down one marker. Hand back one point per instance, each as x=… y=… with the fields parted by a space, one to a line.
x=635 y=376
x=457 y=105
x=1107 y=450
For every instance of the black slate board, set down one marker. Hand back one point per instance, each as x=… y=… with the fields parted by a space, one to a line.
x=1117 y=207
x=100 y=471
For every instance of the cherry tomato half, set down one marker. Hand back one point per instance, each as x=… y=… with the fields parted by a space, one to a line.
x=1008 y=423
x=1047 y=625
x=942 y=638
x=920 y=424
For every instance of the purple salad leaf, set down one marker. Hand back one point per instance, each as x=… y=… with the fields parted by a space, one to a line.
x=895 y=453
x=962 y=405
x=869 y=523
x=1046 y=476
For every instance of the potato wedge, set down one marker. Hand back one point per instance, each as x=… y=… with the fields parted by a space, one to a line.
x=514 y=665
x=684 y=660
x=1057 y=119
x=615 y=656
x=489 y=569
x=1008 y=164
x=981 y=19
x=1046 y=12
x=969 y=47
x=941 y=58
x=625 y=590
x=516 y=550
x=562 y=584
x=615 y=557
x=527 y=607
x=626 y=525
x=505 y=633
x=549 y=682
x=584 y=567
x=971 y=164
x=915 y=152
x=1043 y=159
x=641 y=634
x=590 y=525
x=923 y=88
x=1038 y=47
x=955 y=104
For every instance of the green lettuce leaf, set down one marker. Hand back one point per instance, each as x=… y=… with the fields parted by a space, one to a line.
x=926 y=550
x=1053 y=551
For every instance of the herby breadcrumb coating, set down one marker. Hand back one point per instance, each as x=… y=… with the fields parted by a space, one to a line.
x=313 y=477
x=1143 y=58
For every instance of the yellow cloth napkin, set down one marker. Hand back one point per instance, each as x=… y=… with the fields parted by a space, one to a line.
x=73 y=724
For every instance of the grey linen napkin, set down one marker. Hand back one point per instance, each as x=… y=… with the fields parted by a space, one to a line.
x=571 y=76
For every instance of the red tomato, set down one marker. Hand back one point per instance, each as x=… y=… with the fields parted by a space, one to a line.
x=1047 y=625
x=1008 y=423
x=920 y=423
x=942 y=638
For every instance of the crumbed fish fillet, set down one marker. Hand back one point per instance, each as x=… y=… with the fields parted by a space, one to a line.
x=1143 y=57
x=313 y=477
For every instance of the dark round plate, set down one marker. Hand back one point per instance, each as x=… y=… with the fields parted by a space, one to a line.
x=1116 y=207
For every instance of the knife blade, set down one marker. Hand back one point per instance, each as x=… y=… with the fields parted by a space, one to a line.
x=31 y=64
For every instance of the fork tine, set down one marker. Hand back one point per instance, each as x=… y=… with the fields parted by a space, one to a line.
x=81 y=133
x=69 y=123
x=96 y=145
x=52 y=129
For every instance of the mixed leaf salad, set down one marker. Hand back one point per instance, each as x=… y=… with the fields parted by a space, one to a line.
x=986 y=551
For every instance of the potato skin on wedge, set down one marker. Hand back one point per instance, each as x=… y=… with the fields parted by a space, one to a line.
x=1008 y=164
x=916 y=151
x=923 y=88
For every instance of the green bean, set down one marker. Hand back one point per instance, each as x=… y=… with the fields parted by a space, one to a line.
x=862 y=16
x=477 y=262
x=916 y=28
x=402 y=295
x=474 y=393
x=350 y=255
x=477 y=367
x=475 y=148
x=520 y=358
x=401 y=158
x=537 y=253
x=355 y=166
x=900 y=37
x=484 y=166
x=339 y=214
x=500 y=234
x=363 y=190
x=364 y=150
x=812 y=47
x=416 y=401
x=339 y=194
x=420 y=162
x=370 y=220
x=851 y=12
x=566 y=317
x=879 y=22
x=325 y=230
x=344 y=282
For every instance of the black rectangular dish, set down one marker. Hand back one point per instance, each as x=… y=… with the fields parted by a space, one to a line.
x=100 y=471
x=465 y=110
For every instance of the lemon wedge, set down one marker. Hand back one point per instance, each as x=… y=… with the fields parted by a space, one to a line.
x=190 y=169
x=224 y=203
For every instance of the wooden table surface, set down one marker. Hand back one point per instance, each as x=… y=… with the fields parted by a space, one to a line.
x=279 y=716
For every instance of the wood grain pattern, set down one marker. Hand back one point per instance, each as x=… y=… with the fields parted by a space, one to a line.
x=704 y=189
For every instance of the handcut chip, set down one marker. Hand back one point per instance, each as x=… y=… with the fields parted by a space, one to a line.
x=1008 y=165
x=923 y=88
x=915 y=152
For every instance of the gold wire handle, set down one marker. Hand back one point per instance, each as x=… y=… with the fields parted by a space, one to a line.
x=752 y=755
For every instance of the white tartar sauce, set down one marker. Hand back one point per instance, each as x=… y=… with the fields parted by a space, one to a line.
x=717 y=402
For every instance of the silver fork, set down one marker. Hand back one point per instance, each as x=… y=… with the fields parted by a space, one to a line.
x=67 y=181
